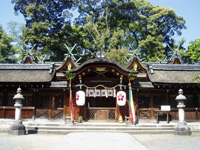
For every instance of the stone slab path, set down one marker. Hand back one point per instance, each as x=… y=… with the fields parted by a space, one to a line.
x=97 y=141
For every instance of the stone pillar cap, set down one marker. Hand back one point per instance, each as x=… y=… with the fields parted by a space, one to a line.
x=19 y=96
x=180 y=97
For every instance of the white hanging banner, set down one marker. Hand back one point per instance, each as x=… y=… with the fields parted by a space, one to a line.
x=91 y=93
x=121 y=98
x=80 y=98
x=98 y=92
x=110 y=92
x=103 y=93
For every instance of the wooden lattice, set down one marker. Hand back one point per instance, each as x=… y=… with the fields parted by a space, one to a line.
x=101 y=114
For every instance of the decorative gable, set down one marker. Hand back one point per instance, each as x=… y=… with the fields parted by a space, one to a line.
x=136 y=70
x=68 y=65
x=136 y=66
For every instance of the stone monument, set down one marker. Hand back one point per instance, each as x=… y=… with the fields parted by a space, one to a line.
x=17 y=128
x=181 y=128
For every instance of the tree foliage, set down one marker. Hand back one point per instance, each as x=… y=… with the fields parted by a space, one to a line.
x=101 y=25
x=197 y=78
x=192 y=55
x=6 y=49
x=44 y=21
x=55 y=12
x=118 y=55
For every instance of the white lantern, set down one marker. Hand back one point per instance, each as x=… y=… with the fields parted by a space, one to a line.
x=80 y=98
x=121 y=98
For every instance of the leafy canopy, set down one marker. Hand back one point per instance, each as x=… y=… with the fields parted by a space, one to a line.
x=101 y=25
x=6 y=49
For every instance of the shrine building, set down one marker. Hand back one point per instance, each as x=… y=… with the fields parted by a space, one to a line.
x=46 y=89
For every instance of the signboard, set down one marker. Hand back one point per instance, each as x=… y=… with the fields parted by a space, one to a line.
x=165 y=108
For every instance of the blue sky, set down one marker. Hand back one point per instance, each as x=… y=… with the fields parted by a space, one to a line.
x=189 y=10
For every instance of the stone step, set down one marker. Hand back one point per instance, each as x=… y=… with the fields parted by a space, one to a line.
x=44 y=131
x=97 y=128
x=65 y=129
x=96 y=124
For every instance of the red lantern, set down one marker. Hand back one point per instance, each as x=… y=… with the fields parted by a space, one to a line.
x=121 y=98
x=80 y=98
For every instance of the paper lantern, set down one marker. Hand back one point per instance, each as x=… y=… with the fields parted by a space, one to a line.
x=121 y=98
x=80 y=98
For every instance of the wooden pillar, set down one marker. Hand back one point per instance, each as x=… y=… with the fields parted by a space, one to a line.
x=53 y=99
x=167 y=98
x=80 y=117
x=136 y=105
x=117 y=112
x=50 y=110
x=151 y=107
x=120 y=114
x=84 y=112
x=65 y=105
x=34 y=105
x=4 y=112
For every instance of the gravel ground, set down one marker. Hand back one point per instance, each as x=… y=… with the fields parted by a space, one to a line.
x=169 y=142
x=27 y=142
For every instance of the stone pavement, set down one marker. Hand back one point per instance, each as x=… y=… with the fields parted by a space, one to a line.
x=169 y=142
x=97 y=141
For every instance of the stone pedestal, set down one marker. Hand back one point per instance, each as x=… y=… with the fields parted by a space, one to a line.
x=17 y=128
x=182 y=129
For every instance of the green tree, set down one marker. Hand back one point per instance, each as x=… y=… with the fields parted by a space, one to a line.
x=7 y=52
x=192 y=55
x=197 y=78
x=102 y=25
x=137 y=23
x=152 y=49
x=55 y=12
x=44 y=21
x=103 y=20
x=15 y=30
x=157 y=22
x=118 y=55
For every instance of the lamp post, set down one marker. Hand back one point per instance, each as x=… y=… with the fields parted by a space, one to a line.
x=181 y=128
x=17 y=127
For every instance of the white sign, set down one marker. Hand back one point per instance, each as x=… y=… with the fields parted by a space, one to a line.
x=165 y=108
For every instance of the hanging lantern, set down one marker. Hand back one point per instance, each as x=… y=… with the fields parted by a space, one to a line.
x=80 y=98
x=121 y=98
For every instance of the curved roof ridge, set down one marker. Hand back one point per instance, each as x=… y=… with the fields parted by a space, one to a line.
x=101 y=60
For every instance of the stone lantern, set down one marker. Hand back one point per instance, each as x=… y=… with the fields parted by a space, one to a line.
x=18 y=128
x=181 y=128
